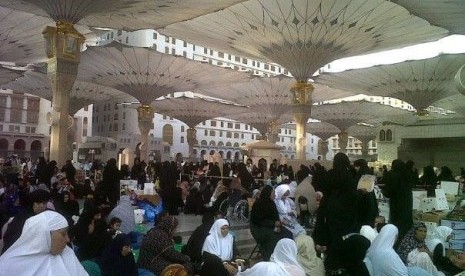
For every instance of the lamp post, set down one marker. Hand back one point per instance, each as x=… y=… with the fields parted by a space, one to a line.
x=63 y=48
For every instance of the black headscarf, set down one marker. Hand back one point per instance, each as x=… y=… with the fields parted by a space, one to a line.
x=112 y=262
x=354 y=250
x=264 y=211
x=15 y=228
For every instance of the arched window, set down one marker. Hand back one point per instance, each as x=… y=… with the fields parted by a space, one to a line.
x=221 y=153
x=220 y=144
x=36 y=145
x=289 y=148
x=388 y=135
x=382 y=135
x=168 y=134
x=3 y=144
x=203 y=143
x=212 y=143
x=228 y=144
x=84 y=121
x=212 y=152
x=20 y=145
x=228 y=155
x=236 y=145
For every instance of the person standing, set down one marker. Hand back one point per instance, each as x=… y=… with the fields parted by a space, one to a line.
x=399 y=191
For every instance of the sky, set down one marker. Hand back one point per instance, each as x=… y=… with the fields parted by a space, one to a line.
x=451 y=44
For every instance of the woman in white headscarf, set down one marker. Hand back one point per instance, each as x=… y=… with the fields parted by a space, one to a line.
x=382 y=260
x=368 y=232
x=306 y=255
x=286 y=210
x=436 y=243
x=283 y=262
x=41 y=249
x=218 y=250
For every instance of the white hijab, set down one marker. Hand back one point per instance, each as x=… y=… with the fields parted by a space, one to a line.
x=218 y=245
x=368 y=232
x=384 y=260
x=284 y=207
x=283 y=262
x=439 y=236
x=30 y=254
x=307 y=256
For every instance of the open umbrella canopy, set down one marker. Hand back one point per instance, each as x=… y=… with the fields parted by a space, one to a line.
x=147 y=74
x=418 y=82
x=304 y=35
x=8 y=75
x=119 y=14
x=82 y=94
x=321 y=129
x=21 y=38
x=262 y=121
x=363 y=132
x=443 y=13
x=346 y=114
x=194 y=110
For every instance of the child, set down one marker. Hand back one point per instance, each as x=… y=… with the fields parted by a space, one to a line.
x=114 y=226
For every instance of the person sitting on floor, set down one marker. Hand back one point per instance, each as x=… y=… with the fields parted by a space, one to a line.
x=219 y=250
x=157 y=249
x=286 y=210
x=283 y=262
x=193 y=248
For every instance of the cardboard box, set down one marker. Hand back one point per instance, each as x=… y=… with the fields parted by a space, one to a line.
x=454 y=224
x=458 y=234
x=435 y=217
x=418 y=195
x=457 y=245
x=154 y=199
x=449 y=187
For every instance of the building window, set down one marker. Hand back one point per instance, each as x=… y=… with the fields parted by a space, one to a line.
x=221 y=134
x=167 y=39
x=155 y=35
x=116 y=106
x=168 y=134
x=205 y=132
x=220 y=54
x=242 y=135
x=237 y=59
x=388 y=135
x=244 y=61
x=213 y=123
x=127 y=39
x=182 y=128
x=382 y=135
x=228 y=134
x=86 y=108
x=237 y=126
x=115 y=117
x=236 y=135
x=212 y=133
x=230 y=125
x=167 y=50
x=222 y=124
x=184 y=44
x=203 y=123
x=182 y=139
x=164 y=117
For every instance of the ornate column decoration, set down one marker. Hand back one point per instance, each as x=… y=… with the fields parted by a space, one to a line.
x=191 y=141
x=323 y=148
x=145 y=119
x=302 y=108
x=343 y=139
x=273 y=132
x=63 y=48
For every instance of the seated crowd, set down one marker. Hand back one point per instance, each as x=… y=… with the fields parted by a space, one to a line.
x=320 y=223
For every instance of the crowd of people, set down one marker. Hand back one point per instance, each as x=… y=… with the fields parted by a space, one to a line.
x=308 y=222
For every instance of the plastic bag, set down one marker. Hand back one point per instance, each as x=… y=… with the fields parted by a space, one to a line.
x=151 y=211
